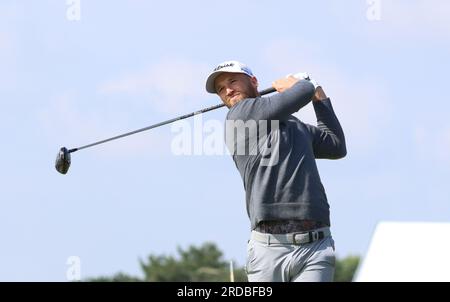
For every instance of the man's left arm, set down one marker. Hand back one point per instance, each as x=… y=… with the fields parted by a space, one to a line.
x=328 y=136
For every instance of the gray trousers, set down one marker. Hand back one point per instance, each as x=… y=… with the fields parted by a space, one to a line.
x=285 y=262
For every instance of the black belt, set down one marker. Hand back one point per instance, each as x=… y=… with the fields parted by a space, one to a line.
x=288 y=226
x=292 y=238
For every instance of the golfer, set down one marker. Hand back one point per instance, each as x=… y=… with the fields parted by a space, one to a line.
x=286 y=202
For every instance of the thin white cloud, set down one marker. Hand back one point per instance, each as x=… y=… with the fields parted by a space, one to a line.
x=9 y=12
x=170 y=86
x=398 y=20
x=63 y=121
x=444 y=140
x=412 y=19
x=432 y=144
x=8 y=69
x=362 y=104
x=428 y=17
x=420 y=139
x=4 y=43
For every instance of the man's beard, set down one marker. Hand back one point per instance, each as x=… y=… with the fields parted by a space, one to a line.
x=249 y=93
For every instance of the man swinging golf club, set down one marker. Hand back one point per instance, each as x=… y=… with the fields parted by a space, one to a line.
x=286 y=201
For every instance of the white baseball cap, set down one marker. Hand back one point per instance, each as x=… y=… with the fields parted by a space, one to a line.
x=228 y=66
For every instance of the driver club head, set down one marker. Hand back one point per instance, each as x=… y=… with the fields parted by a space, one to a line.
x=62 y=162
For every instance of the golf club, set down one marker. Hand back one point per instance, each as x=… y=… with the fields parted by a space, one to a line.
x=63 y=159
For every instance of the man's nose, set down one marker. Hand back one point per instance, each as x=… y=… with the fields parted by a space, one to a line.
x=229 y=91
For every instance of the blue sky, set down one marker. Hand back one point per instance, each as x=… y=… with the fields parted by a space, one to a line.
x=125 y=65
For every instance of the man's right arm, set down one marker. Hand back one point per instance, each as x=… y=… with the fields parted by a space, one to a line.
x=328 y=137
x=292 y=96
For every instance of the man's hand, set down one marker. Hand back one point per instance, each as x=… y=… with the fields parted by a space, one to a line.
x=284 y=83
x=287 y=82
x=319 y=95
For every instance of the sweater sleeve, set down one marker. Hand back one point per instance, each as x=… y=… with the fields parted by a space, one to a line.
x=276 y=107
x=328 y=136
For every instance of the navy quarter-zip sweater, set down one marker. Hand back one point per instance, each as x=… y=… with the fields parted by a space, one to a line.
x=284 y=184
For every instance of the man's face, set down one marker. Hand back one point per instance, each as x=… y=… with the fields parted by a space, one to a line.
x=234 y=87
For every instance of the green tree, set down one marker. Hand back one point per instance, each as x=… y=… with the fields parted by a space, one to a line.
x=204 y=263
x=345 y=269
x=119 y=277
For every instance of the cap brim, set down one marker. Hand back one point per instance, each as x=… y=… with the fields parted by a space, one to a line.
x=210 y=81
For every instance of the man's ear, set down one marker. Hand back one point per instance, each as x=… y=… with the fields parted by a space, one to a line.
x=254 y=82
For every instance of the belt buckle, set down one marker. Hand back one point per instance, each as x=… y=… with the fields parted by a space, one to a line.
x=295 y=242
x=312 y=236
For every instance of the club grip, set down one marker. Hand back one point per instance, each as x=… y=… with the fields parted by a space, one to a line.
x=267 y=90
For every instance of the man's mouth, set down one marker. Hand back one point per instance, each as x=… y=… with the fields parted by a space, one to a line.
x=234 y=97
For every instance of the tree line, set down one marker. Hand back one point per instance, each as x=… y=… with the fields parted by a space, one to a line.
x=204 y=263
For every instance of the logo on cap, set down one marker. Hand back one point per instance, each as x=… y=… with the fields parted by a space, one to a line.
x=223 y=66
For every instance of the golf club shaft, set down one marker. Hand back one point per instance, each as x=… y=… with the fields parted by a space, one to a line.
x=263 y=92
